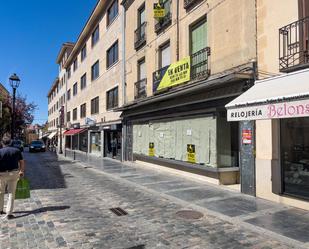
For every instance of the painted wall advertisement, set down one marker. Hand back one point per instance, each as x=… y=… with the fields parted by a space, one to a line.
x=291 y=109
x=191 y=153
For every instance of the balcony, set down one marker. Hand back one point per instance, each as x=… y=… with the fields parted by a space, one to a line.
x=163 y=23
x=140 y=36
x=199 y=68
x=140 y=89
x=294 y=46
x=188 y=4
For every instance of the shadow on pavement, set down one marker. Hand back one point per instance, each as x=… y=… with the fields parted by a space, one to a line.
x=40 y=210
x=43 y=170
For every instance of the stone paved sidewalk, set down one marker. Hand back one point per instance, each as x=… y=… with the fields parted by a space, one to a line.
x=70 y=208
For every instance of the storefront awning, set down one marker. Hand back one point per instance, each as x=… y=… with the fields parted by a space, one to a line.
x=51 y=135
x=285 y=96
x=73 y=132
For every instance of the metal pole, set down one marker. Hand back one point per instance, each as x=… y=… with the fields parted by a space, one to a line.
x=60 y=150
x=13 y=115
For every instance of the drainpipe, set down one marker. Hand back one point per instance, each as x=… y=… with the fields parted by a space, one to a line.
x=123 y=80
x=177 y=28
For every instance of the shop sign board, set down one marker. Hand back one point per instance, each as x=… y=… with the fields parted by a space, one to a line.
x=151 y=149
x=246 y=136
x=177 y=73
x=291 y=109
x=158 y=10
x=191 y=153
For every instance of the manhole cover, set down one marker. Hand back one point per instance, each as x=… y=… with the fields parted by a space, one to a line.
x=189 y=214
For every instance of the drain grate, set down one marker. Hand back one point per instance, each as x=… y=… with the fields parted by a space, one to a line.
x=118 y=211
x=189 y=214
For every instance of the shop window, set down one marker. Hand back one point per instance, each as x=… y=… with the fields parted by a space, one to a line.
x=112 y=98
x=295 y=156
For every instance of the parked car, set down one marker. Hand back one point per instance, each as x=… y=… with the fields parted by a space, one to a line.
x=18 y=144
x=37 y=145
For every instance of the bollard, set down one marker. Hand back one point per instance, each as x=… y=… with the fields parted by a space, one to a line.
x=74 y=155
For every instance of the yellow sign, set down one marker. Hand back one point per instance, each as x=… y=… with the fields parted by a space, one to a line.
x=177 y=73
x=191 y=153
x=158 y=10
x=151 y=149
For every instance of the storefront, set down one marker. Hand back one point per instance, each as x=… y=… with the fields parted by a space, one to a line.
x=76 y=139
x=112 y=141
x=280 y=108
x=187 y=129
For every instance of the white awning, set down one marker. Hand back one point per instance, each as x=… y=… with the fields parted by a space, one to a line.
x=284 y=96
x=52 y=134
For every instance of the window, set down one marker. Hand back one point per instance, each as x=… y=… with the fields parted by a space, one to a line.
x=112 y=98
x=95 y=36
x=141 y=15
x=69 y=94
x=69 y=72
x=75 y=89
x=112 y=55
x=68 y=116
x=83 y=110
x=75 y=65
x=165 y=55
x=95 y=105
x=141 y=67
x=83 y=82
x=75 y=114
x=95 y=70
x=83 y=53
x=198 y=36
x=112 y=12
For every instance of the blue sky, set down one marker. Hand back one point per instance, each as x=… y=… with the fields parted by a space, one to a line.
x=31 y=34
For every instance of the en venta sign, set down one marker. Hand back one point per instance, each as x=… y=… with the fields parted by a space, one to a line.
x=270 y=111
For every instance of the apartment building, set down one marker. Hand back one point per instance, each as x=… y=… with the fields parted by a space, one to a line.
x=94 y=84
x=57 y=96
x=182 y=67
x=276 y=109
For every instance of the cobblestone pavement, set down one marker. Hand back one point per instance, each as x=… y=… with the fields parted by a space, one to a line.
x=70 y=208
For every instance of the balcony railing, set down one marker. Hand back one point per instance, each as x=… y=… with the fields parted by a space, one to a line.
x=199 y=68
x=163 y=23
x=199 y=64
x=293 y=46
x=140 y=89
x=188 y=4
x=140 y=36
x=157 y=77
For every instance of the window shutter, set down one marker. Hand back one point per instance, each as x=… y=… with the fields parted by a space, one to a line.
x=199 y=37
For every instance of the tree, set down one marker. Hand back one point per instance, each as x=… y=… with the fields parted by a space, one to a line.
x=23 y=114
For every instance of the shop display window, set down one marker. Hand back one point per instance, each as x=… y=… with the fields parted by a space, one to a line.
x=294 y=143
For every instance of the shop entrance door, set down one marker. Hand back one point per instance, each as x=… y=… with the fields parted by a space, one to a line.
x=247 y=157
x=112 y=144
x=95 y=143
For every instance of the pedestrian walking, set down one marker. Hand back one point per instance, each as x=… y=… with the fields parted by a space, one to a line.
x=12 y=166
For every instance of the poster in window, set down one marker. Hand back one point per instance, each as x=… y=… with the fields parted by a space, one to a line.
x=191 y=153
x=151 y=149
x=158 y=10
x=247 y=136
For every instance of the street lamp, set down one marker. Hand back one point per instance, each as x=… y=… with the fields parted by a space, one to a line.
x=14 y=82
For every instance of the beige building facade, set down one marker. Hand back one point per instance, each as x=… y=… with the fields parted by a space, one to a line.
x=280 y=99
x=181 y=70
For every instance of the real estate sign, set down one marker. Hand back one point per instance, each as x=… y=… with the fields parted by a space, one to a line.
x=177 y=73
x=158 y=10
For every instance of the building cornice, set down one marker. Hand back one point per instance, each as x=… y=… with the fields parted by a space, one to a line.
x=56 y=81
x=64 y=47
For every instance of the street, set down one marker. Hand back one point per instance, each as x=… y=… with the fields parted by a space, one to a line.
x=70 y=208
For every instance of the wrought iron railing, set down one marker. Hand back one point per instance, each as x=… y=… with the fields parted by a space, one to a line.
x=200 y=64
x=140 y=36
x=187 y=4
x=163 y=23
x=199 y=68
x=157 y=77
x=140 y=89
x=293 y=46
